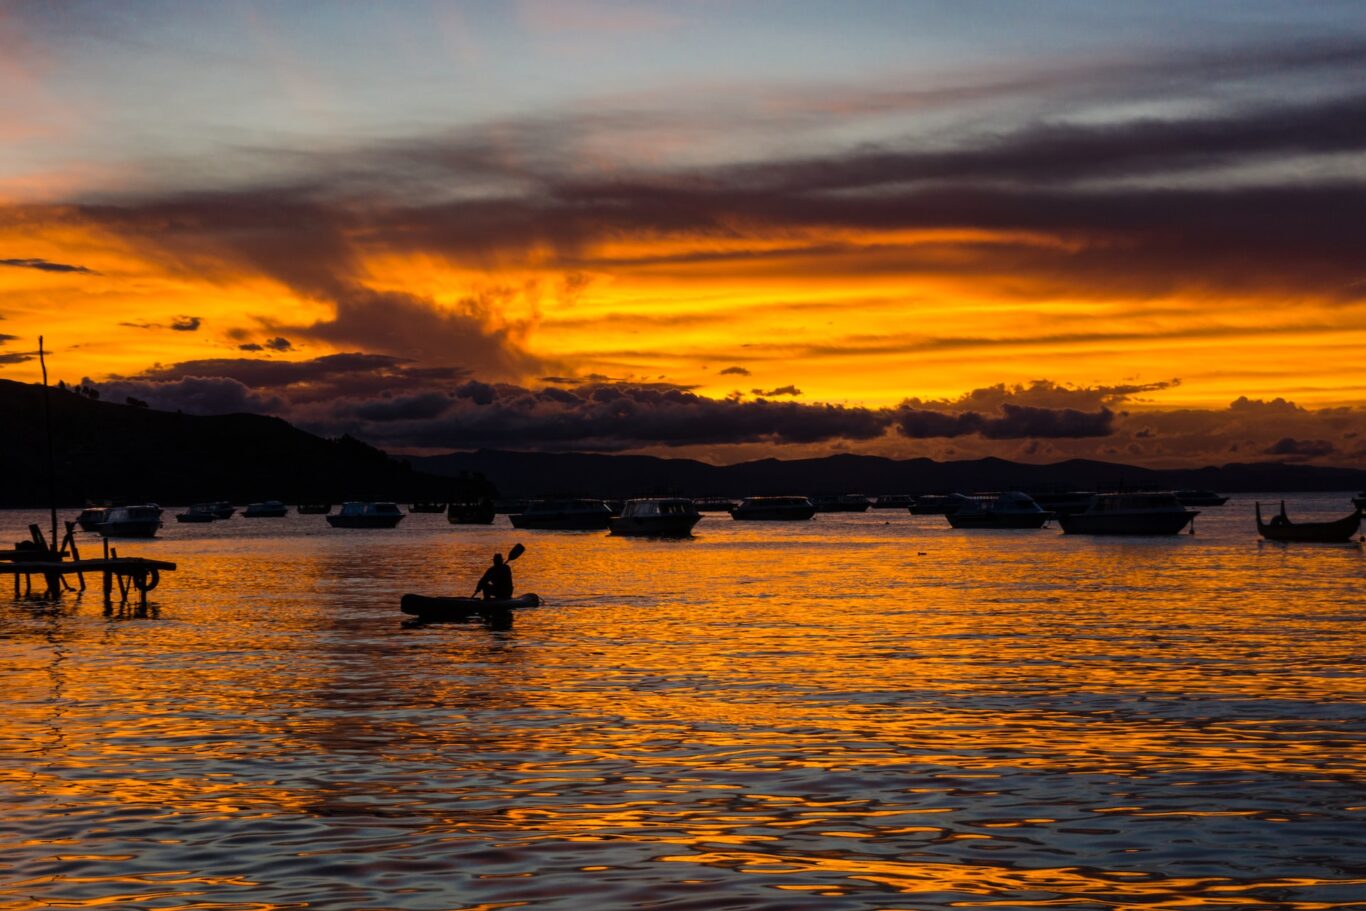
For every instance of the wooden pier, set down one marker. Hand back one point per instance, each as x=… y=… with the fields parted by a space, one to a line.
x=128 y=574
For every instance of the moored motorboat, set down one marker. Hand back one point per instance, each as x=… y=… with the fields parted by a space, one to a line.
x=222 y=509
x=563 y=515
x=432 y=609
x=1011 y=509
x=667 y=517
x=1200 y=498
x=358 y=514
x=471 y=512
x=1129 y=514
x=845 y=502
x=1280 y=528
x=131 y=521
x=266 y=509
x=198 y=513
x=774 y=509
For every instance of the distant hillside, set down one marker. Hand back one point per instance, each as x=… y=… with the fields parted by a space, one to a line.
x=105 y=450
x=531 y=474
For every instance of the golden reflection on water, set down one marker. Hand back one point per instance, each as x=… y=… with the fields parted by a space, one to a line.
x=867 y=712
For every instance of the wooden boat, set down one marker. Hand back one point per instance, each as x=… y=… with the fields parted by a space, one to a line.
x=367 y=515
x=473 y=512
x=1280 y=528
x=665 y=517
x=431 y=609
x=1129 y=514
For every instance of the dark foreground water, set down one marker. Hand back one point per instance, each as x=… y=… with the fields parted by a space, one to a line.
x=866 y=712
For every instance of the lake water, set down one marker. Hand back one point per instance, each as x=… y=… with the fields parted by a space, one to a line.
x=861 y=712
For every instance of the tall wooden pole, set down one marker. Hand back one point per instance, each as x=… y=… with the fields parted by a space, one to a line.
x=51 y=463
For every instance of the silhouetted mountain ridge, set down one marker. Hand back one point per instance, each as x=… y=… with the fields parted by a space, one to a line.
x=534 y=473
x=106 y=450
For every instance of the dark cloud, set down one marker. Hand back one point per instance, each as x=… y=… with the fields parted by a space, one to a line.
x=186 y=323
x=735 y=371
x=194 y=394
x=406 y=408
x=279 y=344
x=1013 y=423
x=43 y=265
x=250 y=346
x=781 y=390
x=1300 y=449
x=611 y=417
x=14 y=358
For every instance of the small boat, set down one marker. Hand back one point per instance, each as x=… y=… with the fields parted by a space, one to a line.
x=1280 y=528
x=266 y=509
x=563 y=515
x=314 y=509
x=1011 y=509
x=936 y=504
x=471 y=512
x=1129 y=514
x=198 y=512
x=92 y=517
x=845 y=502
x=774 y=509
x=431 y=610
x=714 y=504
x=358 y=514
x=1200 y=498
x=894 y=501
x=427 y=507
x=669 y=517
x=131 y=521
x=222 y=509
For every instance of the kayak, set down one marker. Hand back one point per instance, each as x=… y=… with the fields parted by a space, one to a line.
x=428 y=608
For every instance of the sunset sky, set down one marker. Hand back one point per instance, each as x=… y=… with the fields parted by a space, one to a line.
x=1130 y=231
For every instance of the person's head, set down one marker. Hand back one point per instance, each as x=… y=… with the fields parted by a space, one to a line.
x=497 y=559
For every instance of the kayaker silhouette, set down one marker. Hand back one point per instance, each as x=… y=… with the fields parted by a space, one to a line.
x=496 y=582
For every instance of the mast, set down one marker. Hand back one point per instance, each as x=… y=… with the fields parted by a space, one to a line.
x=51 y=464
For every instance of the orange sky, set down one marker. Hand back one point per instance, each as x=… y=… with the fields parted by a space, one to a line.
x=1185 y=230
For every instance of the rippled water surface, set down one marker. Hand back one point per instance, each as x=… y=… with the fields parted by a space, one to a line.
x=867 y=712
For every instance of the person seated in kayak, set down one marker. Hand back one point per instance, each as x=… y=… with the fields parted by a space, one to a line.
x=496 y=582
